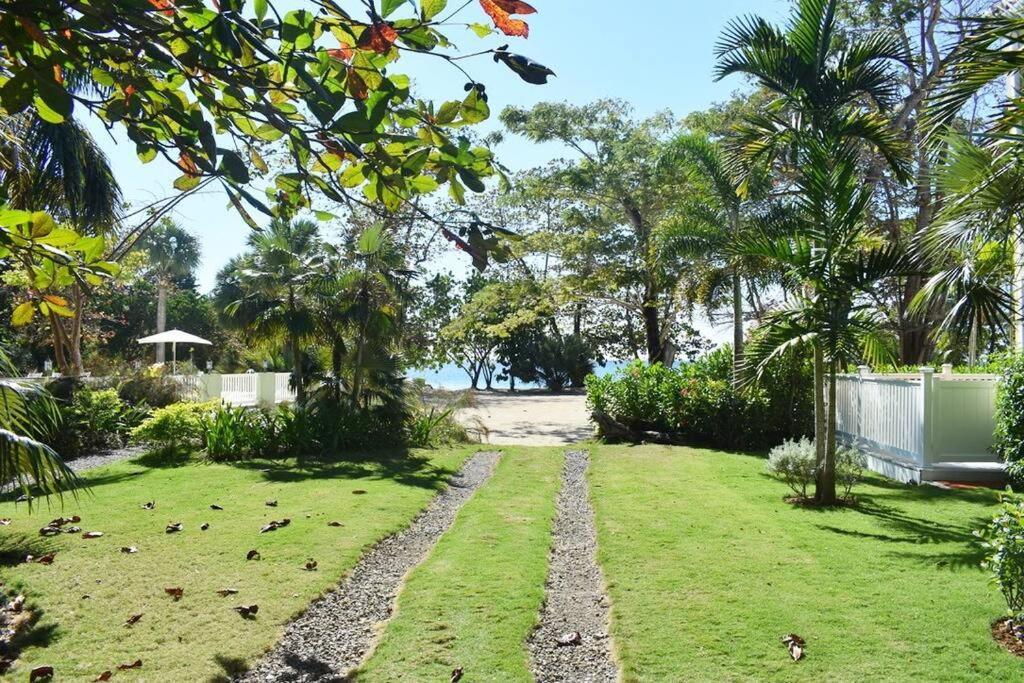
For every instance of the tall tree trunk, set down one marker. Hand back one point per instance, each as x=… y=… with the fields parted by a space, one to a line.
x=737 y=325
x=825 y=489
x=652 y=331
x=75 y=341
x=161 y=317
x=820 y=419
x=300 y=385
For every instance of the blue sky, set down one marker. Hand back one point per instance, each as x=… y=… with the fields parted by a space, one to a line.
x=656 y=54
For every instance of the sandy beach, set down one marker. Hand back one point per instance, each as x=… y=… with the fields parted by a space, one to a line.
x=529 y=418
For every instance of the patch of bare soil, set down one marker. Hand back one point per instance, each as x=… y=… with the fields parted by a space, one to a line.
x=1009 y=635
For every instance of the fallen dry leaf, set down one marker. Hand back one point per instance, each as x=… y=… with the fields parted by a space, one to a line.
x=17 y=604
x=137 y=664
x=40 y=673
x=311 y=565
x=23 y=498
x=72 y=529
x=252 y=555
x=151 y=505
x=569 y=639
x=45 y=559
x=271 y=503
x=133 y=619
x=105 y=676
x=175 y=593
x=129 y=549
x=275 y=525
x=6 y=521
x=456 y=674
x=173 y=527
x=795 y=644
x=92 y=534
x=225 y=592
x=248 y=611
x=49 y=531
x=358 y=492
x=204 y=526
x=216 y=507
x=335 y=524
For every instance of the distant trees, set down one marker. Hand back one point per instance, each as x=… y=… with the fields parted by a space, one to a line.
x=173 y=253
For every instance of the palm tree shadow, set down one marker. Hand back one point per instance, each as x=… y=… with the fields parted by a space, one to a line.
x=400 y=466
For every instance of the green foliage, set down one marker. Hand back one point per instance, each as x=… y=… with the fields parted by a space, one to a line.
x=432 y=427
x=177 y=428
x=795 y=463
x=1008 y=437
x=95 y=419
x=1003 y=538
x=149 y=388
x=697 y=403
x=232 y=433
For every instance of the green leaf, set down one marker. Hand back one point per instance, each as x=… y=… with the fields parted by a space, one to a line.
x=53 y=102
x=260 y=7
x=324 y=215
x=23 y=314
x=423 y=184
x=61 y=237
x=371 y=240
x=388 y=7
x=16 y=93
x=481 y=30
x=474 y=109
x=186 y=182
x=472 y=180
x=233 y=166
x=12 y=217
x=447 y=113
x=431 y=8
x=42 y=224
x=145 y=153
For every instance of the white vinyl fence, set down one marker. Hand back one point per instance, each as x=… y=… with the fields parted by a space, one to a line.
x=921 y=427
x=249 y=389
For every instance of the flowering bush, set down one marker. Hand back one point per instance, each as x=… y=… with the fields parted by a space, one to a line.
x=1004 y=540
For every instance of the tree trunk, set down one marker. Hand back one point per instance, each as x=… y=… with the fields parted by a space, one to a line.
x=652 y=332
x=825 y=489
x=737 y=325
x=161 y=317
x=820 y=420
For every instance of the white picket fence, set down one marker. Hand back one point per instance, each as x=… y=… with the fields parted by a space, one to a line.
x=249 y=389
x=921 y=427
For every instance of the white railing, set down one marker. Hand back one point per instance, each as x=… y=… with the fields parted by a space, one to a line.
x=190 y=387
x=240 y=390
x=923 y=419
x=283 y=392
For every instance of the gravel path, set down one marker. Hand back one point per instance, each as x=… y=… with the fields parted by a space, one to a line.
x=575 y=601
x=87 y=462
x=338 y=631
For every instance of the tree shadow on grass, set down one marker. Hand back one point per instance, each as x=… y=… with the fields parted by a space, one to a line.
x=397 y=465
x=15 y=546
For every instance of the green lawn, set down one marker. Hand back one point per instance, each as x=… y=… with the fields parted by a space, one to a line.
x=707 y=568
x=474 y=601
x=200 y=637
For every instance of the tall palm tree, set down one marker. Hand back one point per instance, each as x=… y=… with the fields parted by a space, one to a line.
x=173 y=253
x=714 y=217
x=825 y=117
x=267 y=291
x=59 y=168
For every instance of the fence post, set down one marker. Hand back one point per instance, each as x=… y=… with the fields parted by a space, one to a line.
x=947 y=369
x=926 y=410
x=862 y=372
x=266 y=389
x=213 y=384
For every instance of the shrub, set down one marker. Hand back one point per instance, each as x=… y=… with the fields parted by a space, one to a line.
x=1003 y=537
x=850 y=464
x=151 y=388
x=1008 y=437
x=233 y=433
x=433 y=427
x=795 y=463
x=697 y=404
x=93 y=420
x=174 y=428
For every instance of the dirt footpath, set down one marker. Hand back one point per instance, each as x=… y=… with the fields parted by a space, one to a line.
x=529 y=418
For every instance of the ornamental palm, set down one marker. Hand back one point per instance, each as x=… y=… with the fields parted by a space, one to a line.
x=824 y=120
x=266 y=292
x=28 y=413
x=173 y=253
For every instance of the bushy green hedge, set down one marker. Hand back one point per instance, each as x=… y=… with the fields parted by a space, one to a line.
x=1009 y=432
x=92 y=420
x=697 y=404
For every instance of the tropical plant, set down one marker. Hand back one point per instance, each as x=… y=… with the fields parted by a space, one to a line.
x=177 y=428
x=1008 y=436
x=1003 y=539
x=794 y=462
x=267 y=291
x=826 y=115
x=28 y=414
x=173 y=253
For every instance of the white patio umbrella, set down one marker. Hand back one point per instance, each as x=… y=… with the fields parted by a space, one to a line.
x=174 y=337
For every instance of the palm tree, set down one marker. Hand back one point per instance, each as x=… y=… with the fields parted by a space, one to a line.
x=28 y=413
x=59 y=168
x=713 y=218
x=267 y=291
x=825 y=117
x=173 y=253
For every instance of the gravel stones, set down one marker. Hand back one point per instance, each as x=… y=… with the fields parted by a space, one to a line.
x=337 y=632
x=572 y=643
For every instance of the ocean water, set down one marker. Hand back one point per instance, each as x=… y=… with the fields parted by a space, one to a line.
x=452 y=377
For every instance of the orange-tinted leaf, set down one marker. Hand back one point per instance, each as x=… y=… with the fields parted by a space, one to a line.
x=225 y=592
x=503 y=20
x=356 y=85
x=58 y=74
x=164 y=6
x=32 y=29
x=105 y=676
x=187 y=165
x=60 y=301
x=342 y=52
x=132 y=620
x=175 y=592
x=379 y=38
x=515 y=6
x=137 y=664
